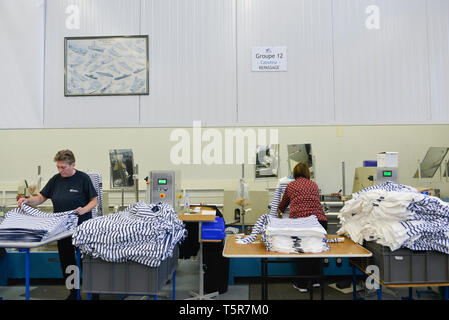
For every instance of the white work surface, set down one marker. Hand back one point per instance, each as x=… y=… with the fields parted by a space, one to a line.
x=13 y=244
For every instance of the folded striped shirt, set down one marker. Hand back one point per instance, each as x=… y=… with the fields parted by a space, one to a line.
x=28 y=224
x=290 y=235
x=144 y=233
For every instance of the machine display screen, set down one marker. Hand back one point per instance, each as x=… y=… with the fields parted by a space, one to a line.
x=161 y=181
x=387 y=173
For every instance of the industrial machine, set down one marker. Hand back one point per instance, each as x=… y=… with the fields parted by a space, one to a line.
x=365 y=177
x=386 y=174
x=164 y=185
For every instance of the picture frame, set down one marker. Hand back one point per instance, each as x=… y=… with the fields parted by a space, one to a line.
x=105 y=66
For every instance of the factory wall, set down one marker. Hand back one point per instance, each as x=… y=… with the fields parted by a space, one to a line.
x=349 y=62
x=24 y=150
x=363 y=76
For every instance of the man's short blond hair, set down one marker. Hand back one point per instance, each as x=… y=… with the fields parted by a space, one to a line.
x=66 y=156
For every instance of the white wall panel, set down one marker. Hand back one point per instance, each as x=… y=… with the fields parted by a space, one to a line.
x=97 y=17
x=438 y=24
x=21 y=63
x=192 y=62
x=304 y=93
x=381 y=75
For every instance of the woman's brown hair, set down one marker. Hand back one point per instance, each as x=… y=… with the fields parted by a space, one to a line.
x=301 y=170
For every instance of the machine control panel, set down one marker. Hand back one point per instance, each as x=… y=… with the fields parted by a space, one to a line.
x=163 y=187
x=387 y=174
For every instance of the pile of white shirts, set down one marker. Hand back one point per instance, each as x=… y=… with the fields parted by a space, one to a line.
x=296 y=235
x=289 y=235
x=396 y=216
x=27 y=224
x=143 y=233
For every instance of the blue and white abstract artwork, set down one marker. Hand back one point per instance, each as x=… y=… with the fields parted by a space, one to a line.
x=106 y=66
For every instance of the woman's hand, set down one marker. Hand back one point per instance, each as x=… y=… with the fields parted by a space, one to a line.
x=80 y=211
x=21 y=200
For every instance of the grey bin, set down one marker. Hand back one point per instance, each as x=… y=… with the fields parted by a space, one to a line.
x=100 y=276
x=405 y=266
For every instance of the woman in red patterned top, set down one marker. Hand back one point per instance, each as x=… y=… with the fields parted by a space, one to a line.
x=303 y=196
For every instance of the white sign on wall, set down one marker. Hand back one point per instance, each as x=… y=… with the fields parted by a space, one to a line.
x=269 y=59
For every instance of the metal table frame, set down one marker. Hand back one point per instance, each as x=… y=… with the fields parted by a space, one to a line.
x=29 y=245
x=200 y=218
x=264 y=276
x=346 y=249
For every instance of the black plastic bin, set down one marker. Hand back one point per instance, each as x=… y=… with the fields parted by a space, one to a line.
x=216 y=268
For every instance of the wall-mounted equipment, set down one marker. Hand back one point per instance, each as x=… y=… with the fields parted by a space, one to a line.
x=431 y=162
x=267 y=161
x=122 y=168
x=300 y=153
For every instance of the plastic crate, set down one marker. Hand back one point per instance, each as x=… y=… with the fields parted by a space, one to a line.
x=370 y=163
x=213 y=230
x=100 y=276
x=405 y=266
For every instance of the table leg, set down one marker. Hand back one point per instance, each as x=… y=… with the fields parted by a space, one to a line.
x=354 y=283
x=174 y=284
x=322 y=279
x=263 y=278
x=201 y=295
x=27 y=274
x=78 y=263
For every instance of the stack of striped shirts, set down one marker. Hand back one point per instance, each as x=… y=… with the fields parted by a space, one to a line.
x=27 y=224
x=300 y=235
x=143 y=233
x=396 y=216
x=97 y=181
x=277 y=195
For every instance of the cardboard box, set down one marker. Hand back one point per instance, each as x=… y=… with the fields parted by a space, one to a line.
x=387 y=160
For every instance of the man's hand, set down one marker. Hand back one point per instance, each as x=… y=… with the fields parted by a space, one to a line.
x=279 y=214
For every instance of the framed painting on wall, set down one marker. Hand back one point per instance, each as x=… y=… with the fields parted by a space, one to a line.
x=114 y=65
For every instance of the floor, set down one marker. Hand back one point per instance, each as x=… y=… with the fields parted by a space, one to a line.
x=187 y=281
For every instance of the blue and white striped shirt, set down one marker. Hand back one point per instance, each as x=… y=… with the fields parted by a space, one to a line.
x=278 y=193
x=144 y=233
x=28 y=224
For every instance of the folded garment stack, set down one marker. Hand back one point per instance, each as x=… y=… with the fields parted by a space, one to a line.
x=27 y=224
x=298 y=235
x=396 y=216
x=143 y=233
